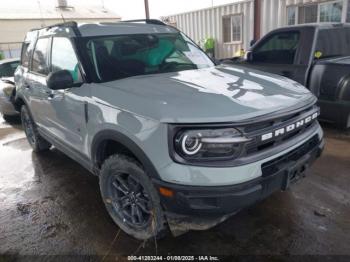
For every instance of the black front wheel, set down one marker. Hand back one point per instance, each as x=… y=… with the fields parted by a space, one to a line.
x=35 y=140
x=130 y=198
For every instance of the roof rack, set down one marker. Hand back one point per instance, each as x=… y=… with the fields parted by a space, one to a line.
x=146 y=21
x=72 y=24
x=64 y=24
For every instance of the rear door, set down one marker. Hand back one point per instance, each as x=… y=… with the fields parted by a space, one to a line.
x=284 y=52
x=35 y=82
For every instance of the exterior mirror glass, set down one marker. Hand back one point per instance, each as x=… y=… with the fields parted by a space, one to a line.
x=60 y=80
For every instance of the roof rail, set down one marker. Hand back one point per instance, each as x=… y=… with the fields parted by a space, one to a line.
x=147 y=21
x=72 y=24
x=64 y=24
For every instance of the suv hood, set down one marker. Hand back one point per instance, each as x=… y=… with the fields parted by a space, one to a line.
x=218 y=94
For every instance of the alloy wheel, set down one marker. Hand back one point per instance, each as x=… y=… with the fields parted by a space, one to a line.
x=130 y=201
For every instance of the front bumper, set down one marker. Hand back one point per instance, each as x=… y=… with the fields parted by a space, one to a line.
x=218 y=201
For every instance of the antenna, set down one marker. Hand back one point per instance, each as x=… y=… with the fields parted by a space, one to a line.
x=62 y=17
x=41 y=14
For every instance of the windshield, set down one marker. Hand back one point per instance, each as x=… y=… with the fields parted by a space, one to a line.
x=117 y=57
x=334 y=42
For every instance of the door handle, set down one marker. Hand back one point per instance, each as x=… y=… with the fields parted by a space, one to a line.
x=26 y=85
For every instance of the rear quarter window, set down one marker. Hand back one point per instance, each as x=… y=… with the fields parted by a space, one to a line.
x=334 y=42
x=27 y=49
x=40 y=57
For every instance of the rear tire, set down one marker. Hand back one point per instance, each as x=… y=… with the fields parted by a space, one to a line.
x=130 y=198
x=7 y=118
x=34 y=139
x=344 y=123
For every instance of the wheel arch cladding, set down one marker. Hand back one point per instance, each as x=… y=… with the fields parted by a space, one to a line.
x=98 y=147
x=344 y=88
x=19 y=102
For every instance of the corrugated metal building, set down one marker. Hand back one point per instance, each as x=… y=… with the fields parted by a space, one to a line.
x=206 y=23
x=233 y=26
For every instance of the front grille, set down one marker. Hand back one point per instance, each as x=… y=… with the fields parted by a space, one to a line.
x=274 y=122
x=273 y=166
x=256 y=145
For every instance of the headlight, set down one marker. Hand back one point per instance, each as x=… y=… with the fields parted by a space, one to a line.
x=209 y=144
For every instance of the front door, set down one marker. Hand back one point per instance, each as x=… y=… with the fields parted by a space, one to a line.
x=279 y=54
x=67 y=107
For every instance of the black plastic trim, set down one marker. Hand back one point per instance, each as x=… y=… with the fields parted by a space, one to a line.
x=128 y=143
x=218 y=200
x=147 y=21
x=68 y=150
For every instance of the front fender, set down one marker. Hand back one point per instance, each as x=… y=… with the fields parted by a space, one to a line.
x=330 y=81
x=343 y=89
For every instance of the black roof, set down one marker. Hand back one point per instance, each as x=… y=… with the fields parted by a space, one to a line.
x=319 y=26
x=73 y=28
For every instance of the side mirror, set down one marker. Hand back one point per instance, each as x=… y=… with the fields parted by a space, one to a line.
x=252 y=42
x=60 y=80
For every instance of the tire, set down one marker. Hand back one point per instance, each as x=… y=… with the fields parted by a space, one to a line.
x=344 y=122
x=7 y=118
x=11 y=118
x=123 y=182
x=38 y=143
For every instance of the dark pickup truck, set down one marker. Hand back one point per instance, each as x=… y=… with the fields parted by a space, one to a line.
x=317 y=56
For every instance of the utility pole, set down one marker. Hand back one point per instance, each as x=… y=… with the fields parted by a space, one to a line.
x=146 y=9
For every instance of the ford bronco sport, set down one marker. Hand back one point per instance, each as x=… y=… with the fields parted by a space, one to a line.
x=177 y=142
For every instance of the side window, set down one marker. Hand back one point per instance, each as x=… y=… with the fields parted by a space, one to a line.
x=232 y=28
x=39 y=61
x=279 y=48
x=307 y=14
x=291 y=15
x=331 y=12
x=330 y=48
x=63 y=57
x=27 y=49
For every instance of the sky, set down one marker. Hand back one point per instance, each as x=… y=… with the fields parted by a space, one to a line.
x=128 y=9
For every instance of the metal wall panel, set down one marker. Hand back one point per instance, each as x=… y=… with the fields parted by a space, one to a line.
x=201 y=24
x=205 y=23
x=274 y=12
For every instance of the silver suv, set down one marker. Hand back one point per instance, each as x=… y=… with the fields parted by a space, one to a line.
x=177 y=141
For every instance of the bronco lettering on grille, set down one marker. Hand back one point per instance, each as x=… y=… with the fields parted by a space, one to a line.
x=289 y=128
